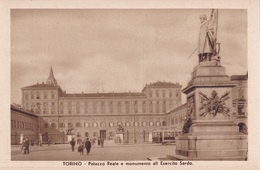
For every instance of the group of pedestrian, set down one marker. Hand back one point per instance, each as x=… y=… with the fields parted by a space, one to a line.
x=25 y=146
x=84 y=144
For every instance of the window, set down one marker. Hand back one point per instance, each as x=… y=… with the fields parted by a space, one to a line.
x=163 y=93
x=150 y=94
x=158 y=123
x=53 y=95
x=136 y=107
x=95 y=134
x=240 y=109
x=86 y=124
x=86 y=108
x=103 y=109
x=61 y=109
x=144 y=107
x=32 y=95
x=86 y=134
x=157 y=107
x=157 y=93
x=78 y=124
x=45 y=125
x=164 y=123
x=111 y=107
x=45 y=95
x=37 y=95
x=102 y=124
x=144 y=124
x=94 y=107
x=151 y=124
x=45 y=111
x=95 y=124
x=53 y=125
x=127 y=123
x=119 y=108
x=111 y=124
x=53 y=110
x=62 y=125
x=136 y=123
x=111 y=134
x=69 y=110
x=78 y=107
x=170 y=93
x=127 y=107
x=177 y=93
x=70 y=125
x=78 y=134
x=151 y=107
x=164 y=106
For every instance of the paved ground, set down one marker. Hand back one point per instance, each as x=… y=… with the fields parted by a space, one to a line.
x=117 y=152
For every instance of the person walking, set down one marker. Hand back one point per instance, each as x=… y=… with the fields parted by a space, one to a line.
x=72 y=143
x=26 y=145
x=88 y=146
x=23 y=146
x=81 y=148
x=102 y=142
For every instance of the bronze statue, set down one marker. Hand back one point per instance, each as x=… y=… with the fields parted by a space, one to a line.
x=208 y=48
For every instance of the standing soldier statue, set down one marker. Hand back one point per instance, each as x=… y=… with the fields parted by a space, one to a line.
x=208 y=48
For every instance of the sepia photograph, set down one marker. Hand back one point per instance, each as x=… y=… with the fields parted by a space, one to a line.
x=129 y=84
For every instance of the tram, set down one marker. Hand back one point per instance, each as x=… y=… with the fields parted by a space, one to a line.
x=164 y=136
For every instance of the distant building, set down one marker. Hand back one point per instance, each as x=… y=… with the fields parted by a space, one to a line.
x=240 y=100
x=97 y=115
x=23 y=124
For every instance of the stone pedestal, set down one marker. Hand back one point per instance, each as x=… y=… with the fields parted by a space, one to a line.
x=213 y=135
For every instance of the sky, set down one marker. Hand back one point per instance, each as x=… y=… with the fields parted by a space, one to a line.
x=117 y=50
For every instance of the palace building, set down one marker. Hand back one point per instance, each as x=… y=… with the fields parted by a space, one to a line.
x=97 y=115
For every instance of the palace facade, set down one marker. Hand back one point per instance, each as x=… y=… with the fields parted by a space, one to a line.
x=97 y=115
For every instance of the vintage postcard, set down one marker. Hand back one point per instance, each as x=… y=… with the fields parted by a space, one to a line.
x=130 y=85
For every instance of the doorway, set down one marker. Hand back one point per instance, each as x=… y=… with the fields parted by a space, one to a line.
x=103 y=134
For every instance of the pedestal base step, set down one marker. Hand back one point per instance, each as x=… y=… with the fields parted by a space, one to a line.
x=180 y=157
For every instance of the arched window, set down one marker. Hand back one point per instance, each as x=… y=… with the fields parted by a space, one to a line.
x=144 y=124
x=151 y=124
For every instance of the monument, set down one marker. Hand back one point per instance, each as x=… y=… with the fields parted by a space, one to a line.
x=209 y=133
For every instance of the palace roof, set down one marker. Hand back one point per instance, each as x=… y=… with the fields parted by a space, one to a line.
x=41 y=86
x=112 y=94
x=18 y=108
x=160 y=84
